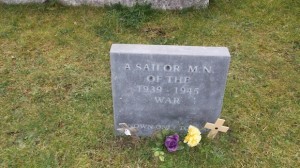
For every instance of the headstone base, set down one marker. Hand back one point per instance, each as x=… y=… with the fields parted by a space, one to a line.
x=157 y=4
x=22 y=1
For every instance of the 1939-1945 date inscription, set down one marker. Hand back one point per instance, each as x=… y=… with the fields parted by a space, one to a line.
x=151 y=83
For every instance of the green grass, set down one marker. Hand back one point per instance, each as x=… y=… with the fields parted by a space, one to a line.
x=55 y=90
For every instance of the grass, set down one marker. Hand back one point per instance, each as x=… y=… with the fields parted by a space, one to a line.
x=55 y=90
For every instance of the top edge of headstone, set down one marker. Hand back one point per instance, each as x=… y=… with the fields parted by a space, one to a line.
x=170 y=50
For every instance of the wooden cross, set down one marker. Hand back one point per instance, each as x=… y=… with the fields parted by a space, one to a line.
x=127 y=130
x=215 y=128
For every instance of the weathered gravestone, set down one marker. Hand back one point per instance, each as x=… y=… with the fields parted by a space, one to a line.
x=167 y=87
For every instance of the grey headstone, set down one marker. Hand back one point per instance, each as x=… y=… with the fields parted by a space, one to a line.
x=167 y=87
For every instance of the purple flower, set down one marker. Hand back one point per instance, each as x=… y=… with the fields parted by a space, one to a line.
x=171 y=142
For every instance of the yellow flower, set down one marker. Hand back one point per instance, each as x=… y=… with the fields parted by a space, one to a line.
x=193 y=137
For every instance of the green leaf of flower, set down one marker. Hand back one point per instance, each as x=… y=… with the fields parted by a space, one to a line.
x=155 y=149
x=156 y=153
x=161 y=158
x=160 y=137
x=180 y=147
x=165 y=132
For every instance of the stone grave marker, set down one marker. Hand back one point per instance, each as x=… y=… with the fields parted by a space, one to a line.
x=167 y=87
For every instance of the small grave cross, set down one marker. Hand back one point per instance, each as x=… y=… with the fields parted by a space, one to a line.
x=127 y=130
x=215 y=128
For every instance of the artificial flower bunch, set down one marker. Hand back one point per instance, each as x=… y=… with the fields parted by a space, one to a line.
x=192 y=139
